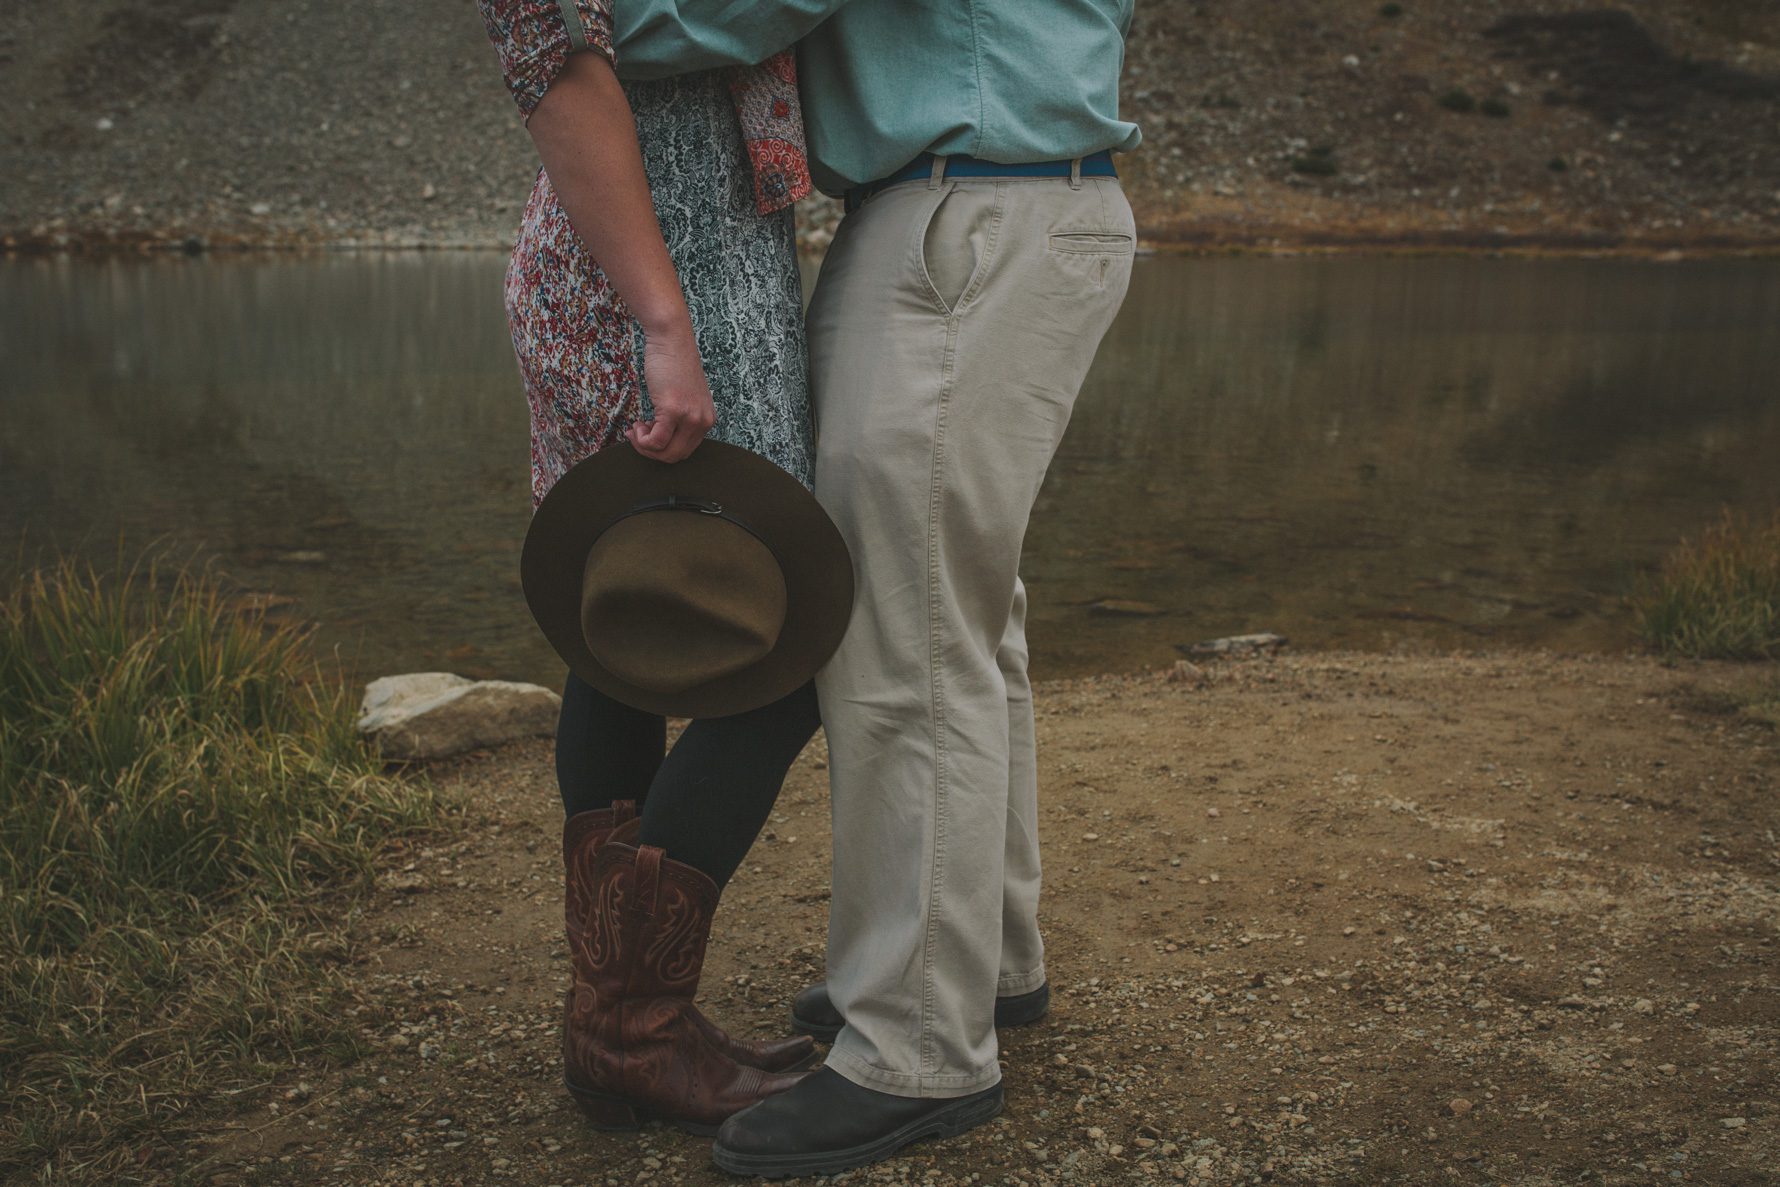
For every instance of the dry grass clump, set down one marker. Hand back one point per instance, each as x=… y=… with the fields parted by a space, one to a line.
x=1718 y=597
x=183 y=800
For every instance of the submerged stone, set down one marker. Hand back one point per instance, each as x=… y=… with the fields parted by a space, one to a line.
x=1126 y=608
x=1235 y=644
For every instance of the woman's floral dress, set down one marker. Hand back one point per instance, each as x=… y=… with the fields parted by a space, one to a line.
x=723 y=198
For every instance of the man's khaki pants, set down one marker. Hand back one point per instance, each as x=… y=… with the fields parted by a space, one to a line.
x=950 y=330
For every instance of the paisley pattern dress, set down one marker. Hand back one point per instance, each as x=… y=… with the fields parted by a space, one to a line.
x=579 y=350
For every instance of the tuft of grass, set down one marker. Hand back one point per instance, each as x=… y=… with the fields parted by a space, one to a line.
x=1390 y=12
x=1495 y=109
x=183 y=804
x=1718 y=597
x=1458 y=100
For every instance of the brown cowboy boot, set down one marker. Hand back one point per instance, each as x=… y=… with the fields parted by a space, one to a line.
x=635 y=1047
x=582 y=835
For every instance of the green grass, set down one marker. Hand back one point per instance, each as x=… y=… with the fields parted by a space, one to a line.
x=185 y=810
x=1458 y=100
x=1718 y=597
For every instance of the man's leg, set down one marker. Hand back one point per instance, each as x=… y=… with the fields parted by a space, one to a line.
x=950 y=333
x=1020 y=985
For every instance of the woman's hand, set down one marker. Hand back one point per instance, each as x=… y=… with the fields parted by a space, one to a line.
x=678 y=390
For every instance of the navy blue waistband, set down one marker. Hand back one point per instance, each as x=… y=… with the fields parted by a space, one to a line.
x=959 y=165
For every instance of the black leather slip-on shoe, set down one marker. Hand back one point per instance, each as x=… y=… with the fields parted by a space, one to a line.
x=813 y=1014
x=826 y=1124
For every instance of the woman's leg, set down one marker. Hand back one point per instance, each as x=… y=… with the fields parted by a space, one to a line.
x=718 y=784
x=642 y=960
x=605 y=751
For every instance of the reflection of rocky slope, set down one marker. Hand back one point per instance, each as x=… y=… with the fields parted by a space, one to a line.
x=1355 y=452
x=1385 y=452
x=216 y=407
x=1443 y=121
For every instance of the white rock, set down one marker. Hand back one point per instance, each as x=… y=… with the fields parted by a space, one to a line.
x=1237 y=644
x=434 y=714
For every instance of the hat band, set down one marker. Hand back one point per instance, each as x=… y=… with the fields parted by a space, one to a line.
x=697 y=507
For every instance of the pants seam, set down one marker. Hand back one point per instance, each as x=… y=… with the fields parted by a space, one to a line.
x=936 y=623
x=936 y=694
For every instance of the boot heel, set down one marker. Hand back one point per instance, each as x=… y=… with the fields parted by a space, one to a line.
x=606 y=1112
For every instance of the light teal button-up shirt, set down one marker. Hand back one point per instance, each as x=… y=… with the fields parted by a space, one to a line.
x=1011 y=81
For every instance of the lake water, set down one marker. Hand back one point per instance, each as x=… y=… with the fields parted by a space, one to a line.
x=1383 y=453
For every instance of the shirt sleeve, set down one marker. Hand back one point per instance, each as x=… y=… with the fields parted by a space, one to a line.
x=534 y=38
x=666 y=37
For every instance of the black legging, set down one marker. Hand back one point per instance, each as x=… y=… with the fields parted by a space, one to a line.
x=706 y=800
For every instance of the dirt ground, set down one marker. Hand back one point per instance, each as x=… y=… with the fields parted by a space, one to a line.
x=1321 y=919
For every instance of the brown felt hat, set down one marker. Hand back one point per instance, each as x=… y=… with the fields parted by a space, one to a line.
x=700 y=589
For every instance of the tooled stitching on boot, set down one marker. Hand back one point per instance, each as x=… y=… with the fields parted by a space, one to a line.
x=598 y=825
x=675 y=951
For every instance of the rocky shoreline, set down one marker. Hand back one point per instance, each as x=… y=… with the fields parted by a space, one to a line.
x=1428 y=126
x=815 y=230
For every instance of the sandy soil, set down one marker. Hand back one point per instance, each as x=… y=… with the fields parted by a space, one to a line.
x=1320 y=919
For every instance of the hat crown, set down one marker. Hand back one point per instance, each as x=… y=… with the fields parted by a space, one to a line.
x=767 y=564
x=672 y=599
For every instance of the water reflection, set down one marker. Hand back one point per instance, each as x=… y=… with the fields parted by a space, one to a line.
x=1388 y=452
x=1364 y=452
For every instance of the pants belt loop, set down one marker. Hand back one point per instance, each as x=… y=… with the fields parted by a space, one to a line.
x=939 y=172
x=1075 y=174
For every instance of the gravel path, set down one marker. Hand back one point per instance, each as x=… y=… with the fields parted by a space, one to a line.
x=1321 y=919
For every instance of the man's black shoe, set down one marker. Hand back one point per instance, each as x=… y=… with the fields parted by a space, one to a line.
x=826 y=1124
x=812 y=1013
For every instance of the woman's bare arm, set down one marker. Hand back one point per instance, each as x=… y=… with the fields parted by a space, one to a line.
x=587 y=139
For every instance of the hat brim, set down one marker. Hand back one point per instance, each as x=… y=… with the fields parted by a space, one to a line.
x=812 y=556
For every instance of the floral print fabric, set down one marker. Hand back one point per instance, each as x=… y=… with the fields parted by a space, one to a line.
x=580 y=353
x=723 y=151
x=772 y=127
